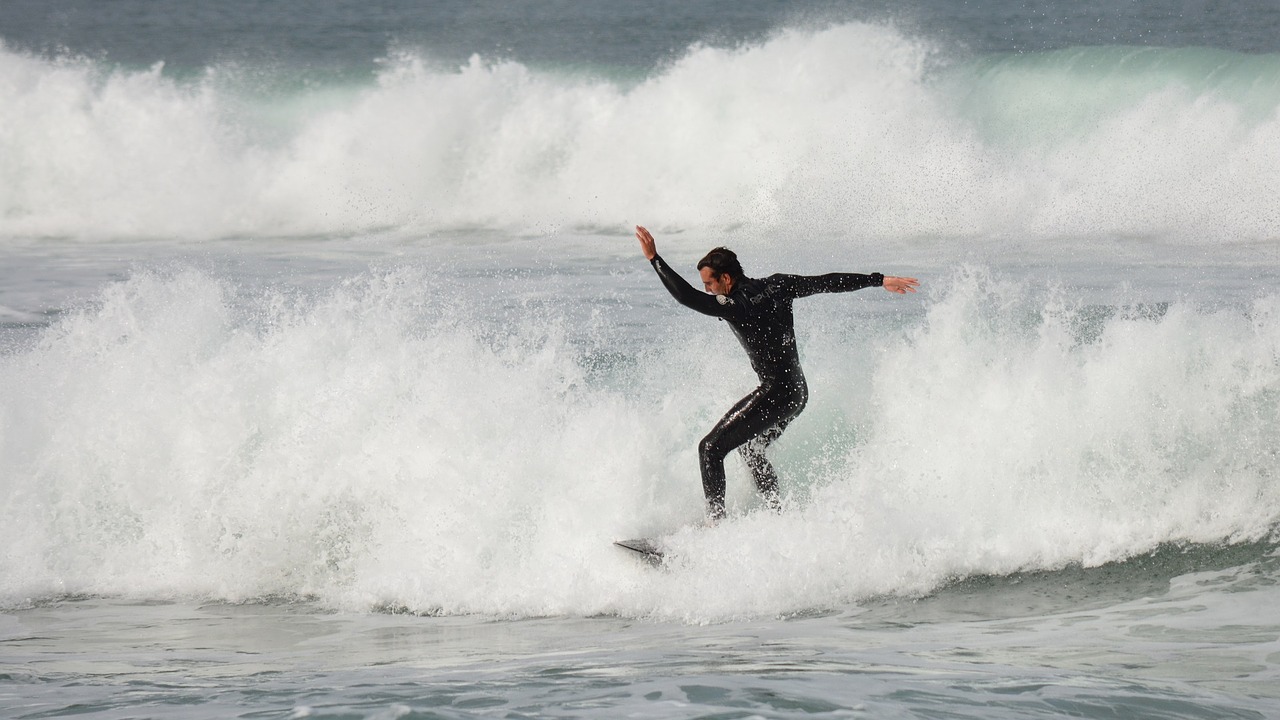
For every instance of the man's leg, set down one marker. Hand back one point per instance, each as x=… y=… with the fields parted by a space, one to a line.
x=789 y=402
x=764 y=410
x=753 y=453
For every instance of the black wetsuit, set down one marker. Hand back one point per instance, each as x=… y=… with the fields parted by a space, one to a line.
x=759 y=311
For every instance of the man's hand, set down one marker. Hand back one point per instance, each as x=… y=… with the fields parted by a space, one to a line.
x=648 y=246
x=900 y=285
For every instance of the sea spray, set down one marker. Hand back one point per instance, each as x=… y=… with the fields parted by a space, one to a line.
x=184 y=442
x=1079 y=434
x=383 y=444
x=853 y=127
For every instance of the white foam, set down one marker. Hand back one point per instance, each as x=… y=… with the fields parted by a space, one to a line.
x=381 y=444
x=839 y=129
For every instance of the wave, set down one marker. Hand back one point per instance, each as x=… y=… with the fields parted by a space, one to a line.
x=373 y=446
x=855 y=128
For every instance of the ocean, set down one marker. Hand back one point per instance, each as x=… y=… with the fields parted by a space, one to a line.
x=330 y=367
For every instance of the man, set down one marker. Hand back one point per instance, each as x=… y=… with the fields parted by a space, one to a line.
x=759 y=311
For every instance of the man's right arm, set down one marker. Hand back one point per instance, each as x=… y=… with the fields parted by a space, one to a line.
x=686 y=294
x=680 y=289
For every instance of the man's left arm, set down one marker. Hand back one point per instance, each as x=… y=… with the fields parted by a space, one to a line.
x=805 y=285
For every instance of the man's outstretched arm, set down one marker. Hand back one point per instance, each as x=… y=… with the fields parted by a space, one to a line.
x=805 y=285
x=680 y=289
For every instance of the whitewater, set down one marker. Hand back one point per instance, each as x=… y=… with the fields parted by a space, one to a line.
x=855 y=129
x=325 y=388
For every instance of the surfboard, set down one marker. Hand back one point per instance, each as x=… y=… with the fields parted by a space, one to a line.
x=649 y=550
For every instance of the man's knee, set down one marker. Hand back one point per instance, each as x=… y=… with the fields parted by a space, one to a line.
x=753 y=453
x=709 y=449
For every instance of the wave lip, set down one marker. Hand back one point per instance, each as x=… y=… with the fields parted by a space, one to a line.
x=853 y=128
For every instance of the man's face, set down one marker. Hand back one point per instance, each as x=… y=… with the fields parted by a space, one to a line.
x=716 y=284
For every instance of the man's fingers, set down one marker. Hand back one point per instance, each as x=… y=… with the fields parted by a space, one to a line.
x=647 y=245
x=901 y=285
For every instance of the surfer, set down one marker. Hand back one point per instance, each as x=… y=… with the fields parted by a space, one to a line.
x=759 y=311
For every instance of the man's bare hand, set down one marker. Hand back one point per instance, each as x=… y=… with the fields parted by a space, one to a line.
x=647 y=244
x=900 y=285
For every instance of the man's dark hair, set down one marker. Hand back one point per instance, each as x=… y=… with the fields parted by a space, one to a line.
x=722 y=260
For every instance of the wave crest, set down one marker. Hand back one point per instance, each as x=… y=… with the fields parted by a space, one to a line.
x=853 y=128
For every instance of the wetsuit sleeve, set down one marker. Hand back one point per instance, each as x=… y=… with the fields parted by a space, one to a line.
x=686 y=294
x=798 y=286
